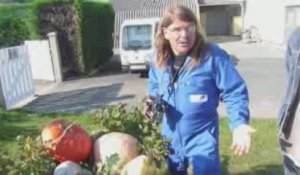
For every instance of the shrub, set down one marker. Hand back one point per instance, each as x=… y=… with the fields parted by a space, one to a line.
x=13 y=31
x=97 y=28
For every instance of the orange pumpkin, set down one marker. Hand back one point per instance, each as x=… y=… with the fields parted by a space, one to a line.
x=66 y=141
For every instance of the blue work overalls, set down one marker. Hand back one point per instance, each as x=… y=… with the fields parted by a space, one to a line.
x=191 y=119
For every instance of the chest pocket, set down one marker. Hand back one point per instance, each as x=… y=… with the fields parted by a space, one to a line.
x=195 y=95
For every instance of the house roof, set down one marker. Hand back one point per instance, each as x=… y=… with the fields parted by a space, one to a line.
x=130 y=5
x=218 y=2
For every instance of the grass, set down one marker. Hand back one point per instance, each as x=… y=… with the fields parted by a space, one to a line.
x=18 y=122
x=264 y=158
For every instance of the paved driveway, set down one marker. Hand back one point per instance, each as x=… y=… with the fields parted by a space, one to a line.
x=261 y=65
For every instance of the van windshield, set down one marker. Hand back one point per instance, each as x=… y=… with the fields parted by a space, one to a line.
x=137 y=37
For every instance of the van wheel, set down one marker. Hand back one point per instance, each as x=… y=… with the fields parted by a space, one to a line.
x=125 y=69
x=144 y=74
x=130 y=71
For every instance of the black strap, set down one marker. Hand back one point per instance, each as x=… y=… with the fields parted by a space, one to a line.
x=175 y=77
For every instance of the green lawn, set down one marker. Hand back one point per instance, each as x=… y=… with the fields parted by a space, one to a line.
x=264 y=158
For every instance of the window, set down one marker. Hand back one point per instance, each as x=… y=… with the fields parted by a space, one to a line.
x=137 y=37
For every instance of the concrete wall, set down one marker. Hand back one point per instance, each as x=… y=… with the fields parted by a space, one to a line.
x=268 y=16
x=44 y=58
x=40 y=60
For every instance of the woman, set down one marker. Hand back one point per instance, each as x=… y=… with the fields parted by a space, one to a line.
x=191 y=77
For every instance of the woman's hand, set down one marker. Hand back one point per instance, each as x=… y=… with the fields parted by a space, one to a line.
x=147 y=108
x=241 y=139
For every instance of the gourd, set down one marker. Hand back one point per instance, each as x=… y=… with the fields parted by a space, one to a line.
x=66 y=141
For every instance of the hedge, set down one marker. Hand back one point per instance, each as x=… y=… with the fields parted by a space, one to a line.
x=17 y=23
x=97 y=29
x=13 y=31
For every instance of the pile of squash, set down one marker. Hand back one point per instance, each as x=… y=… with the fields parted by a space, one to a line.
x=69 y=144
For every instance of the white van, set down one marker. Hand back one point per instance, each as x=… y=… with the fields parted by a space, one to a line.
x=137 y=43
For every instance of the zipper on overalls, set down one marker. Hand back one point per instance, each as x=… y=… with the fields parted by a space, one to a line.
x=176 y=87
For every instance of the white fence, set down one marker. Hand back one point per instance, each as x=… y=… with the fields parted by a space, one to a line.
x=16 y=82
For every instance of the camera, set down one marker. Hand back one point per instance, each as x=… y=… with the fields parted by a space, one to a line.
x=157 y=108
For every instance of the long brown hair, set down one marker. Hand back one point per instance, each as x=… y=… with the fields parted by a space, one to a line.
x=163 y=48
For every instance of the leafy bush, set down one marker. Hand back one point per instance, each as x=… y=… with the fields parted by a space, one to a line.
x=26 y=12
x=117 y=119
x=13 y=31
x=14 y=1
x=32 y=159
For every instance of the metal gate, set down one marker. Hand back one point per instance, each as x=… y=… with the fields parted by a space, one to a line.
x=16 y=82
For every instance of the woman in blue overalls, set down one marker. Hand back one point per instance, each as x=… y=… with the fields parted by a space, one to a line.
x=192 y=76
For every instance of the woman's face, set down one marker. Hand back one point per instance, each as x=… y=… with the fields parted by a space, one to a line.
x=181 y=36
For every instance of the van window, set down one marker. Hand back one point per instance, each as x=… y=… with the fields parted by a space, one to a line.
x=136 y=37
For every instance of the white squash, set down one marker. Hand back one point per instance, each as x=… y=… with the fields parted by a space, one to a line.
x=124 y=145
x=70 y=168
x=135 y=166
x=67 y=168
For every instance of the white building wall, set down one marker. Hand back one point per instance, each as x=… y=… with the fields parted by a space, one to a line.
x=292 y=19
x=268 y=16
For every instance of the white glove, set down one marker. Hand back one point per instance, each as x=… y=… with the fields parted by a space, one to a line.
x=241 y=139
